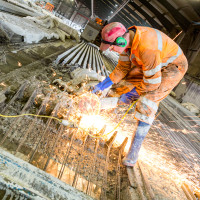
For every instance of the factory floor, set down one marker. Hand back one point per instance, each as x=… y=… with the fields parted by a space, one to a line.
x=169 y=157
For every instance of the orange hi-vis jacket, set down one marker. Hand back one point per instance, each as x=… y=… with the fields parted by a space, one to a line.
x=154 y=66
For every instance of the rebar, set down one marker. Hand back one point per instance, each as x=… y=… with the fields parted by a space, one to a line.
x=66 y=157
x=18 y=95
x=80 y=158
x=146 y=182
x=54 y=113
x=60 y=131
x=17 y=121
x=94 y=160
x=104 y=185
x=33 y=123
x=118 y=176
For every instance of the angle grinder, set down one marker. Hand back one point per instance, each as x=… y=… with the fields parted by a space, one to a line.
x=91 y=104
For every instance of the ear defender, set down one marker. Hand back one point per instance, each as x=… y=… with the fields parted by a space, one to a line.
x=121 y=42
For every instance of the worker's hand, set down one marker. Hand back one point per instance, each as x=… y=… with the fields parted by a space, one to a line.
x=128 y=97
x=102 y=85
x=94 y=90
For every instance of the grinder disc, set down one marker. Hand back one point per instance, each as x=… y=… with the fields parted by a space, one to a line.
x=89 y=104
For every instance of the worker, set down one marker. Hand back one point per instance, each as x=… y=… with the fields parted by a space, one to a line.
x=150 y=65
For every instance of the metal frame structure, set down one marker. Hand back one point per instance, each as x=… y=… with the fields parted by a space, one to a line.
x=164 y=15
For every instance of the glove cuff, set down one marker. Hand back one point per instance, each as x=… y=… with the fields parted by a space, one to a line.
x=106 y=83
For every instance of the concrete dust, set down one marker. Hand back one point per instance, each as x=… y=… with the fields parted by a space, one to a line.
x=26 y=28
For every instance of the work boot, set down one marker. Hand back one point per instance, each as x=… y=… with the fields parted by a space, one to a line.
x=141 y=131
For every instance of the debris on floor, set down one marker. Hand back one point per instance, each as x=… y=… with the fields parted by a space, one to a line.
x=191 y=107
x=32 y=30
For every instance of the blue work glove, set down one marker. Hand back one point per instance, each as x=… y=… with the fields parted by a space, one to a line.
x=129 y=97
x=102 y=85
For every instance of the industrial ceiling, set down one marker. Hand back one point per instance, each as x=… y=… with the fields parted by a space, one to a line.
x=166 y=15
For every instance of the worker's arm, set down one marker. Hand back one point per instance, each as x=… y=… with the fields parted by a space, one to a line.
x=120 y=71
x=122 y=68
x=102 y=85
x=151 y=67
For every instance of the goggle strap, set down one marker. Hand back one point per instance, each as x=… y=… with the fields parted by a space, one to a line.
x=106 y=42
x=114 y=43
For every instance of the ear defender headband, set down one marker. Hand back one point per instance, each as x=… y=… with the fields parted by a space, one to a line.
x=119 y=41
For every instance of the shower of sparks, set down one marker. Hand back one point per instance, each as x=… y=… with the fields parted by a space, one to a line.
x=158 y=162
x=95 y=123
x=176 y=153
x=185 y=170
x=92 y=122
x=181 y=166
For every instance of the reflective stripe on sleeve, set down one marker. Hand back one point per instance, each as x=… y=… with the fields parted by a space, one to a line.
x=158 y=67
x=153 y=81
x=124 y=58
x=137 y=59
x=152 y=71
x=159 y=39
x=149 y=103
x=144 y=118
x=172 y=58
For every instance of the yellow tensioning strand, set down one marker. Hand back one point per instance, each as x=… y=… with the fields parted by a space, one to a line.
x=44 y=116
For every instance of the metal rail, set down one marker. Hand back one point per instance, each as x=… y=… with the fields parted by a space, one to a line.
x=61 y=57
x=72 y=54
x=87 y=56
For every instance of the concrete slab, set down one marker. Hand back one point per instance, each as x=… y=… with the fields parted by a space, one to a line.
x=14 y=9
x=20 y=179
